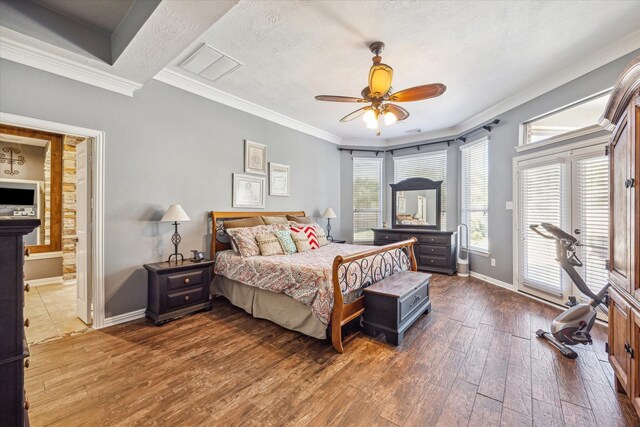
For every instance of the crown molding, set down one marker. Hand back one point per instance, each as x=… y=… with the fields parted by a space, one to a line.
x=30 y=56
x=588 y=64
x=189 y=84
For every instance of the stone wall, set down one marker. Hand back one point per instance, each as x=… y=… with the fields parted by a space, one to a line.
x=69 y=207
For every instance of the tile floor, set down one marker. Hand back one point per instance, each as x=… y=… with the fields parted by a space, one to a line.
x=51 y=310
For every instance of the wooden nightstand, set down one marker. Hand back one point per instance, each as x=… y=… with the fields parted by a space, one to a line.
x=178 y=289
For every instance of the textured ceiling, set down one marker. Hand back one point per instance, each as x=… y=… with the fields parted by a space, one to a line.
x=103 y=15
x=484 y=51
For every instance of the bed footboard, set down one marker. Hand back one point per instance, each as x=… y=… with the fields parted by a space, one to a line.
x=353 y=273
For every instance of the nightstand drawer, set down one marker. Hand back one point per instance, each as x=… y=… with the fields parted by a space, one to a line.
x=181 y=280
x=194 y=295
x=413 y=301
x=434 y=261
x=433 y=250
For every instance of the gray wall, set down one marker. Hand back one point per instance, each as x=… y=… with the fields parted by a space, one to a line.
x=503 y=140
x=167 y=146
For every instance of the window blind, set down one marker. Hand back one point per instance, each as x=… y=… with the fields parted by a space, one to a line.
x=592 y=217
x=367 y=198
x=475 y=194
x=541 y=200
x=432 y=166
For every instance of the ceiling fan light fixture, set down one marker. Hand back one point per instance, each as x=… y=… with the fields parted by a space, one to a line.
x=372 y=124
x=389 y=118
x=380 y=76
x=369 y=116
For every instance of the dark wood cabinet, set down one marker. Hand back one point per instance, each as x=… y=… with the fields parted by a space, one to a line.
x=435 y=251
x=623 y=117
x=393 y=304
x=14 y=351
x=178 y=289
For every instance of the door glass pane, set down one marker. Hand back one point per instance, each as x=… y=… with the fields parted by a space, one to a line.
x=592 y=218
x=541 y=201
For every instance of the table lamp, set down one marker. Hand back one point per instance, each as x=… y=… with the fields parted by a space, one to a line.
x=174 y=214
x=329 y=213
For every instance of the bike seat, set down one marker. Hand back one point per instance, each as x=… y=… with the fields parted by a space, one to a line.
x=559 y=233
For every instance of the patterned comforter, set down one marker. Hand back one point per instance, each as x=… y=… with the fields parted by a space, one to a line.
x=306 y=276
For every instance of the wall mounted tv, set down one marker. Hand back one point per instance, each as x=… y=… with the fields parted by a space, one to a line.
x=17 y=196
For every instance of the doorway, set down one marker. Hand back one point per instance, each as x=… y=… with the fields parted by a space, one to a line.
x=568 y=188
x=50 y=171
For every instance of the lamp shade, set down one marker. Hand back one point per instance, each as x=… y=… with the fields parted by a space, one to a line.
x=175 y=213
x=329 y=213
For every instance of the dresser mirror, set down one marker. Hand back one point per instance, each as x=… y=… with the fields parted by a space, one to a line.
x=31 y=183
x=416 y=204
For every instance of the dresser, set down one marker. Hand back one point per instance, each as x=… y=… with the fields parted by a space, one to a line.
x=435 y=250
x=14 y=351
x=623 y=117
x=177 y=289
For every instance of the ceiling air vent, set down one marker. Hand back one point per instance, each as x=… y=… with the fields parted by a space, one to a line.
x=210 y=63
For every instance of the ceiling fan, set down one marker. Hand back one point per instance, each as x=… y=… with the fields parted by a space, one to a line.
x=379 y=94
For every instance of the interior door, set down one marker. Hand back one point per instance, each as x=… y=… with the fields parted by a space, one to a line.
x=83 y=215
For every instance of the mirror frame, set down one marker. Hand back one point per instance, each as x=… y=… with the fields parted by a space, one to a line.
x=410 y=184
x=55 y=238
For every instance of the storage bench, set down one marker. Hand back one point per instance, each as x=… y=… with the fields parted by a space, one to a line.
x=393 y=304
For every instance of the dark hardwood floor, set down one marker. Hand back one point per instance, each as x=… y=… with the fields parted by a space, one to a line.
x=475 y=360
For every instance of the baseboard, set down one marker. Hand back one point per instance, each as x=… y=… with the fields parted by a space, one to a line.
x=125 y=317
x=57 y=280
x=70 y=282
x=492 y=281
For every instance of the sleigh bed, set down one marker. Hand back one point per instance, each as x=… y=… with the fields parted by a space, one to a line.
x=315 y=292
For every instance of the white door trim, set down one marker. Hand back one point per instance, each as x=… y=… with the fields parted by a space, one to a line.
x=97 y=189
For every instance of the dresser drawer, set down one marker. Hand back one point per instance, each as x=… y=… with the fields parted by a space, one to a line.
x=435 y=239
x=414 y=301
x=386 y=237
x=181 y=280
x=434 y=261
x=195 y=295
x=433 y=250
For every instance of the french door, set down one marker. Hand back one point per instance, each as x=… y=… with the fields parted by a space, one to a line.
x=571 y=190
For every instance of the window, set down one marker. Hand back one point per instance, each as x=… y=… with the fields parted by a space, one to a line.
x=367 y=197
x=567 y=122
x=475 y=193
x=432 y=166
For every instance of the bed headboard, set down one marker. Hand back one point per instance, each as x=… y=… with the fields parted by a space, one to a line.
x=219 y=237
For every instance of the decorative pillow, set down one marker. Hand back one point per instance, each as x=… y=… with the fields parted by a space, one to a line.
x=245 y=237
x=301 y=241
x=269 y=244
x=301 y=219
x=322 y=237
x=287 y=243
x=244 y=222
x=310 y=232
x=274 y=220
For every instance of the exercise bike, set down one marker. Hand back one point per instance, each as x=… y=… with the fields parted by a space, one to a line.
x=571 y=327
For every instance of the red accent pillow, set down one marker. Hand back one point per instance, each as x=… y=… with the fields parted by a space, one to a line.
x=310 y=232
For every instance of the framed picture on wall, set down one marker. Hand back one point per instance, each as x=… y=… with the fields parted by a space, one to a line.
x=255 y=157
x=248 y=191
x=278 y=179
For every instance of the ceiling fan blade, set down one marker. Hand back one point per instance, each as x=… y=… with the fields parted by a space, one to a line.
x=418 y=93
x=355 y=114
x=397 y=111
x=334 y=98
